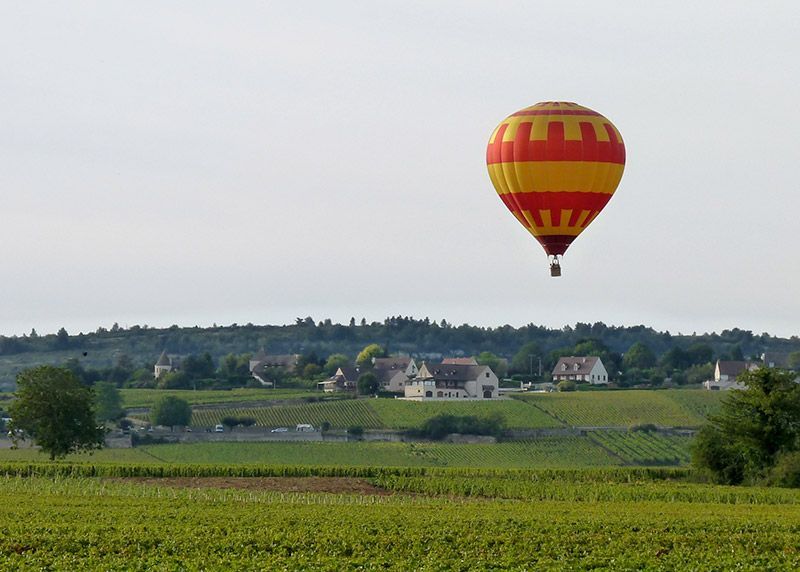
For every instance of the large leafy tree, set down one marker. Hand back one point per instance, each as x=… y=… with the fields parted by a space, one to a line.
x=367 y=384
x=108 y=401
x=56 y=410
x=171 y=411
x=526 y=360
x=639 y=356
x=755 y=427
x=364 y=358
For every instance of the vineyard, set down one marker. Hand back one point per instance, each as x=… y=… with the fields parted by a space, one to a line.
x=137 y=398
x=98 y=524
x=600 y=449
x=672 y=408
x=643 y=448
x=400 y=414
x=340 y=414
x=551 y=452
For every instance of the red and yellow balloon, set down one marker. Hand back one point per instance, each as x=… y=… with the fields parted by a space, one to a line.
x=555 y=165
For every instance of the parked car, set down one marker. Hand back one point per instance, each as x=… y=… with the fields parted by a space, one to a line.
x=304 y=428
x=219 y=428
x=280 y=430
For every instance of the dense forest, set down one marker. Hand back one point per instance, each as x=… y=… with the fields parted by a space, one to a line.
x=424 y=338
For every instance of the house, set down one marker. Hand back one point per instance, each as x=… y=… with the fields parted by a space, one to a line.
x=459 y=361
x=725 y=374
x=165 y=364
x=394 y=372
x=775 y=359
x=453 y=381
x=582 y=368
x=345 y=379
x=263 y=366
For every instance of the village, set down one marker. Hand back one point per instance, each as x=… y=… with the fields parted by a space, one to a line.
x=459 y=378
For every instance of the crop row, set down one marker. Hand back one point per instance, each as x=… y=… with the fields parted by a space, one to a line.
x=340 y=414
x=672 y=408
x=78 y=525
x=644 y=448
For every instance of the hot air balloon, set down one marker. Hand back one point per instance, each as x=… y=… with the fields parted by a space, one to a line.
x=555 y=165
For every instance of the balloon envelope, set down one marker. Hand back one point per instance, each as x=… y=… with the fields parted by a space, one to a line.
x=555 y=165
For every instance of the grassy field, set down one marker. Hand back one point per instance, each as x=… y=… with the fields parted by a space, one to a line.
x=93 y=524
x=666 y=408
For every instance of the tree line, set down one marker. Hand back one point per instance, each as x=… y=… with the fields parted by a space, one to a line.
x=631 y=354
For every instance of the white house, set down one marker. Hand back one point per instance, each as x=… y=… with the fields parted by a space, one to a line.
x=725 y=374
x=583 y=368
x=453 y=381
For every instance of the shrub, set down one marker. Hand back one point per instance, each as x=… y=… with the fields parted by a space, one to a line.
x=786 y=472
x=566 y=385
x=441 y=426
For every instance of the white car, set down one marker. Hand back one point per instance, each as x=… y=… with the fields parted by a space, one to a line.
x=219 y=428
x=280 y=430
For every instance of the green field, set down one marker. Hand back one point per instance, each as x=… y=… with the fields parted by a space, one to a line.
x=401 y=414
x=377 y=413
x=92 y=524
x=667 y=408
x=552 y=452
x=645 y=448
x=599 y=450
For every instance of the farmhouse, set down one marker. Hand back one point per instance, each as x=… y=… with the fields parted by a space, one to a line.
x=582 y=368
x=453 y=381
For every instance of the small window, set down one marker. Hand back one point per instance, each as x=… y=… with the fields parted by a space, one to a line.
x=487 y=374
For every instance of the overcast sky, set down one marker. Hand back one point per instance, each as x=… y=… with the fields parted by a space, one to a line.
x=197 y=162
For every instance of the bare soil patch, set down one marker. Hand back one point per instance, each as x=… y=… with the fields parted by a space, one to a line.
x=339 y=485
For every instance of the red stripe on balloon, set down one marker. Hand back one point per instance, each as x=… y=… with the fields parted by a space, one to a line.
x=555 y=147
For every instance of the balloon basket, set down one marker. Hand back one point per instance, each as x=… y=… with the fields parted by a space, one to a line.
x=555 y=268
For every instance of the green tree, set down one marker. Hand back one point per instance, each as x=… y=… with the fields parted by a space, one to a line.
x=754 y=427
x=794 y=360
x=639 y=356
x=334 y=362
x=526 y=360
x=56 y=410
x=199 y=367
x=108 y=402
x=235 y=369
x=367 y=384
x=171 y=411
x=175 y=380
x=364 y=358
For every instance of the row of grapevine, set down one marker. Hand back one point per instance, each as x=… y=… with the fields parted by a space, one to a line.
x=80 y=524
x=340 y=414
x=400 y=414
x=643 y=448
x=623 y=408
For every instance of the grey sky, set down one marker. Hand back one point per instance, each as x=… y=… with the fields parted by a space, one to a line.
x=197 y=162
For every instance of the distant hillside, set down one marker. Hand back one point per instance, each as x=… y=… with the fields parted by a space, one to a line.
x=418 y=337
